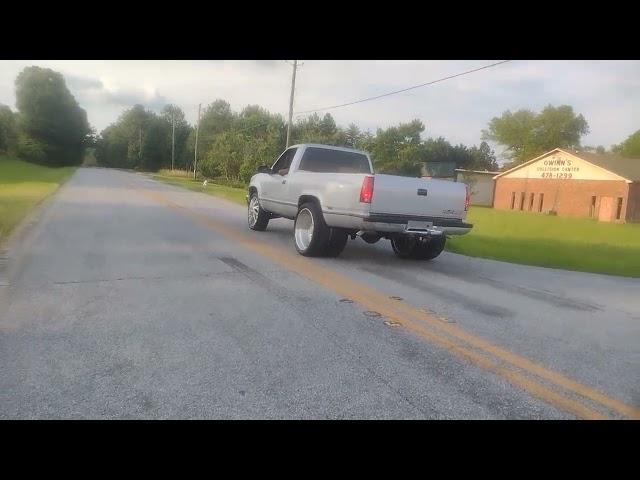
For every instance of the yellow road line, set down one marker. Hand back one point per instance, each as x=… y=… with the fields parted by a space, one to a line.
x=529 y=366
x=416 y=320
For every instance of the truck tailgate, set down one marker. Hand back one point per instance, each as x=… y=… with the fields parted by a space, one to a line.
x=418 y=196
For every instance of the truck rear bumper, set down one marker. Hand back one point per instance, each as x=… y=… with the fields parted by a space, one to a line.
x=402 y=228
x=384 y=223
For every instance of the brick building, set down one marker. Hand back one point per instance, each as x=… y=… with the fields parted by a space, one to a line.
x=574 y=184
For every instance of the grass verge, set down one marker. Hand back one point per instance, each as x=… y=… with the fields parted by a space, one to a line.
x=569 y=243
x=234 y=194
x=24 y=185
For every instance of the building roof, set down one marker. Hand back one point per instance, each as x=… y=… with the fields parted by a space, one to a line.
x=628 y=168
x=486 y=172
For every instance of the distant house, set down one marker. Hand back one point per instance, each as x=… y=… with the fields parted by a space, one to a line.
x=481 y=184
x=574 y=184
x=440 y=170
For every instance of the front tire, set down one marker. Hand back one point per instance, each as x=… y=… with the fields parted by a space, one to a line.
x=311 y=234
x=257 y=217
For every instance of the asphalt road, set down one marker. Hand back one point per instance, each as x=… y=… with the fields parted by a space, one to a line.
x=128 y=298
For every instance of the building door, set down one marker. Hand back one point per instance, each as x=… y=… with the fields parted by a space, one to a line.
x=607 y=209
x=592 y=208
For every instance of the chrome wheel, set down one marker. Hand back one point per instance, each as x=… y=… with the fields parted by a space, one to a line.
x=254 y=210
x=304 y=229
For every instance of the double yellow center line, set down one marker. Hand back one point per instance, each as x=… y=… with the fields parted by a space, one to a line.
x=547 y=385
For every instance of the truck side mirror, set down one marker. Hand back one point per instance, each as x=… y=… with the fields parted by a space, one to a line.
x=264 y=169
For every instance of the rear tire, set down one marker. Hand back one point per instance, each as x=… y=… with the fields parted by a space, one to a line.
x=403 y=246
x=429 y=249
x=311 y=234
x=336 y=243
x=413 y=248
x=257 y=217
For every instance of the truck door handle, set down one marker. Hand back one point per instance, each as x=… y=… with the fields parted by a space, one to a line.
x=284 y=181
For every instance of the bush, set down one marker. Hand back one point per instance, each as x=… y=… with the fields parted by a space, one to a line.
x=30 y=149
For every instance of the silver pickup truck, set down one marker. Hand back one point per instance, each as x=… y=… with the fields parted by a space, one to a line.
x=332 y=194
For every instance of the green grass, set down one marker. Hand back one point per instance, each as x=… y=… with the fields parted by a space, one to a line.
x=234 y=194
x=568 y=243
x=23 y=186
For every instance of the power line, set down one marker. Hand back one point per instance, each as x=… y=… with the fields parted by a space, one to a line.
x=404 y=89
x=251 y=127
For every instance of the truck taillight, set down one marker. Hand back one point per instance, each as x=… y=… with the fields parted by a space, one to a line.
x=366 y=192
x=467 y=199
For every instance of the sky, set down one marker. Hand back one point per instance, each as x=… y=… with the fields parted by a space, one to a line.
x=607 y=93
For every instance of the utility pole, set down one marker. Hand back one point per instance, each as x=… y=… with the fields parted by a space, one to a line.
x=173 y=139
x=195 y=153
x=293 y=87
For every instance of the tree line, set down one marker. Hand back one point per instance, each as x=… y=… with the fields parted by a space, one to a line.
x=49 y=128
x=52 y=129
x=231 y=145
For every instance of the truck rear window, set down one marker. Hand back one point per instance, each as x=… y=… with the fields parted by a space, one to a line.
x=335 y=161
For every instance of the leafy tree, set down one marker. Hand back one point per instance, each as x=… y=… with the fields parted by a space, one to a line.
x=328 y=126
x=138 y=139
x=135 y=124
x=352 y=135
x=224 y=158
x=483 y=158
x=111 y=147
x=173 y=113
x=50 y=118
x=8 y=129
x=156 y=145
x=526 y=134
x=313 y=129
x=630 y=147
x=215 y=119
x=440 y=150
x=31 y=150
x=559 y=127
x=398 y=149
x=364 y=141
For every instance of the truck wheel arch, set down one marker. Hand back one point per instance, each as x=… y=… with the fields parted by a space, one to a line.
x=308 y=198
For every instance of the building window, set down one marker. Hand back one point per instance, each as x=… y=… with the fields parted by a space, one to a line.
x=513 y=200
x=592 y=208
x=531 y=201
x=522 y=201
x=619 y=209
x=541 y=202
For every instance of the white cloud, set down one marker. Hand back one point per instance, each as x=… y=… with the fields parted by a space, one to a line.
x=607 y=93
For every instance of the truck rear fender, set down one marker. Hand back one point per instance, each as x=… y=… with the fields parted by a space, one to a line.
x=308 y=198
